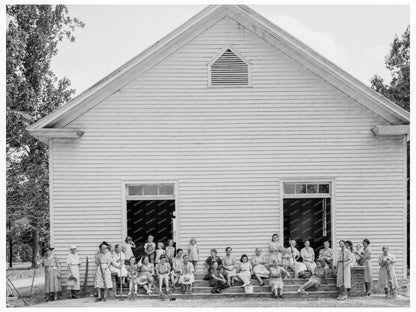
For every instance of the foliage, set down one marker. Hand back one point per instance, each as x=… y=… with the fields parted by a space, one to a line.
x=32 y=92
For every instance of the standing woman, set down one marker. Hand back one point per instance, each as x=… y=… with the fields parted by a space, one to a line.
x=74 y=262
x=387 y=277
x=275 y=249
x=344 y=259
x=52 y=274
x=366 y=261
x=103 y=260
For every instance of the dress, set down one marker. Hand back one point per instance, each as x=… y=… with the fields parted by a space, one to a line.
x=193 y=252
x=327 y=255
x=170 y=253
x=159 y=252
x=133 y=273
x=187 y=273
x=308 y=257
x=73 y=261
x=386 y=273
x=276 y=281
x=105 y=260
x=176 y=266
x=344 y=279
x=128 y=252
x=147 y=270
x=51 y=274
x=259 y=268
x=119 y=258
x=216 y=284
x=149 y=249
x=275 y=250
x=245 y=272
x=291 y=254
x=228 y=266
x=366 y=261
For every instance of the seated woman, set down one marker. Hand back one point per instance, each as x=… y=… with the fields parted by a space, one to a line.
x=308 y=256
x=259 y=269
x=177 y=263
x=209 y=260
x=217 y=280
x=293 y=255
x=186 y=277
x=327 y=254
x=244 y=271
x=147 y=270
x=316 y=277
x=228 y=267
x=276 y=282
x=387 y=277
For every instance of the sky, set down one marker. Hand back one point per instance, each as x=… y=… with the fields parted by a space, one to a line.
x=355 y=37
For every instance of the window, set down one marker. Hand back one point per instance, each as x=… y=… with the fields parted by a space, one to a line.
x=229 y=69
x=306 y=189
x=150 y=190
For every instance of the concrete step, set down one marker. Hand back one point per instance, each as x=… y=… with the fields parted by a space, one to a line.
x=255 y=282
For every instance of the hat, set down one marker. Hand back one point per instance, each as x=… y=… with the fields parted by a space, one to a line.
x=73 y=247
x=105 y=244
x=187 y=280
x=142 y=280
x=47 y=248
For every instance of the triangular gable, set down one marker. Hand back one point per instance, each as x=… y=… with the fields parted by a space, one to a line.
x=196 y=25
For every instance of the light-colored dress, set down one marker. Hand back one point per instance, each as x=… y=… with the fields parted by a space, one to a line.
x=176 y=266
x=292 y=253
x=344 y=279
x=128 y=252
x=368 y=269
x=193 y=253
x=187 y=273
x=73 y=261
x=276 y=281
x=308 y=257
x=133 y=273
x=228 y=266
x=159 y=252
x=105 y=260
x=51 y=274
x=147 y=270
x=119 y=258
x=170 y=253
x=259 y=268
x=386 y=272
x=245 y=272
x=275 y=250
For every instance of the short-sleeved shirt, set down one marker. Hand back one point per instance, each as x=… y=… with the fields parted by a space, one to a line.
x=210 y=259
x=326 y=253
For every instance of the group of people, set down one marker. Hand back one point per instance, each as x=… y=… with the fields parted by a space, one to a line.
x=174 y=268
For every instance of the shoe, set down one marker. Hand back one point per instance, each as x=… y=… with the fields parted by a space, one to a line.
x=299 y=291
x=262 y=284
x=104 y=300
x=98 y=299
x=135 y=293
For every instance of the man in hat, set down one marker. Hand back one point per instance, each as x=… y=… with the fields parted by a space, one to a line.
x=74 y=262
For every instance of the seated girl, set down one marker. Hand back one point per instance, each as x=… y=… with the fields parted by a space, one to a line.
x=162 y=271
x=276 y=282
x=186 y=277
x=245 y=270
x=217 y=280
x=259 y=269
x=147 y=271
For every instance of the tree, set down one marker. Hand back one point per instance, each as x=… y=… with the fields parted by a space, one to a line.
x=398 y=91
x=32 y=92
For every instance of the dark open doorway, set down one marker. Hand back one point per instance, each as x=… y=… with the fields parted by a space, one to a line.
x=149 y=217
x=307 y=218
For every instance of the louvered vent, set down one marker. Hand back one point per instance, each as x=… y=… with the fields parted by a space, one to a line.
x=229 y=70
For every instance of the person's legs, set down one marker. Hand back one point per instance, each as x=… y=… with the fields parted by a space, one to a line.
x=136 y=286
x=99 y=294
x=280 y=291
x=258 y=278
x=160 y=281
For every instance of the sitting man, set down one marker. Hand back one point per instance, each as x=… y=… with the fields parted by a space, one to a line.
x=327 y=254
x=209 y=261
x=316 y=278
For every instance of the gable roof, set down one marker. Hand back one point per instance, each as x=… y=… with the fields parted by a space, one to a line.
x=196 y=25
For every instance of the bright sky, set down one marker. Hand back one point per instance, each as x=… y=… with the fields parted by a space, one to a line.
x=355 y=37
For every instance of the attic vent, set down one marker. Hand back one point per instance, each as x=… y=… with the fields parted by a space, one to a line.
x=229 y=70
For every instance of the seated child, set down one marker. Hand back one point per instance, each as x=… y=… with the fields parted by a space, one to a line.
x=217 y=280
x=186 y=277
x=209 y=260
x=276 y=282
x=162 y=271
x=132 y=275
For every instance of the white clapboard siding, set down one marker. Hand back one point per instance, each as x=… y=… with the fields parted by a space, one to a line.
x=228 y=149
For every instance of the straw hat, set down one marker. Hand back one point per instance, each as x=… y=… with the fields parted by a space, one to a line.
x=73 y=247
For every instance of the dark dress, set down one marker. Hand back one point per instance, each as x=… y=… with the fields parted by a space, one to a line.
x=217 y=286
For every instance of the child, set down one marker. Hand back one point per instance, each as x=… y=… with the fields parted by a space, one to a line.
x=208 y=263
x=127 y=248
x=149 y=249
x=159 y=252
x=132 y=275
x=217 y=280
x=162 y=271
x=193 y=252
x=170 y=251
x=276 y=282
x=177 y=263
x=186 y=274
x=358 y=254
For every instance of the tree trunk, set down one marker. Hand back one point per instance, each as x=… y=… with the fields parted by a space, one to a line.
x=35 y=246
x=10 y=244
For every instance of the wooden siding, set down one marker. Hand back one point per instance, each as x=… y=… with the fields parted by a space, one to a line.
x=229 y=149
